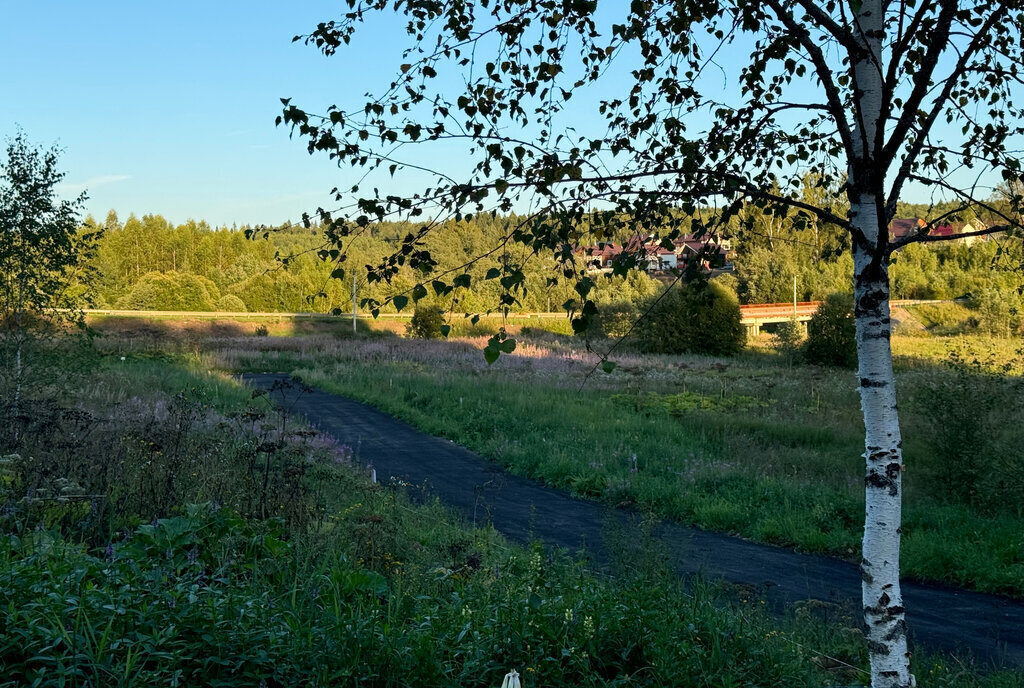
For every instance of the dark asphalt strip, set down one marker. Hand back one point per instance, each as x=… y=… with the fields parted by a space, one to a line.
x=941 y=618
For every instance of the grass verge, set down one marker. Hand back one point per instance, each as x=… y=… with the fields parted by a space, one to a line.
x=353 y=583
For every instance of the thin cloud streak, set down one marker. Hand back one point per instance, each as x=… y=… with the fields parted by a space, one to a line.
x=92 y=183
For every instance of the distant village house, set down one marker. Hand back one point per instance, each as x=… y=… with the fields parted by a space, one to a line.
x=686 y=248
x=903 y=227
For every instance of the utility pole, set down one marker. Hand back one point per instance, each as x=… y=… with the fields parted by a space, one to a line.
x=353 y=302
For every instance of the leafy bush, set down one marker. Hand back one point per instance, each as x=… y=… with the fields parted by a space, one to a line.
x=229 y=303
x=171 y=291
x=614 y=319
x=701 y=317
x=831 y=333
x=788 y=337
x=427 y=321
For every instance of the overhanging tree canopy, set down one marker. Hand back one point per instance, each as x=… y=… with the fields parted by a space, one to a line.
x=668 y=116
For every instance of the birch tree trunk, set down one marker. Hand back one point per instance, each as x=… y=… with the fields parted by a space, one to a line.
x=880 y=563
x=880 y=558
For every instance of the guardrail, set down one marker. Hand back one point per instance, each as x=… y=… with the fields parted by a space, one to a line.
x=279 y=315
x=753 y=316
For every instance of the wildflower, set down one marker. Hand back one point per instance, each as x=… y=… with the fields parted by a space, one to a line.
x=192 y=555
x=109 y=552
x=588 y=625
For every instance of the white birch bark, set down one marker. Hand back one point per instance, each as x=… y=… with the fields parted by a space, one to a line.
x=880 y=563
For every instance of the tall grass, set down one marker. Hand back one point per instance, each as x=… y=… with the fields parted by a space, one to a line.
x=376 y=590
x=745 y=445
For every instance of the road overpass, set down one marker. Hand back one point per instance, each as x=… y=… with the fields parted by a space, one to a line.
x=755 y=315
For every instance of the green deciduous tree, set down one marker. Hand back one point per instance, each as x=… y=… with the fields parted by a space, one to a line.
x=866 y=95
x=43 y=257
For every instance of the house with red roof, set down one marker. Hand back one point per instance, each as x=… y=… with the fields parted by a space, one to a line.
x=658 y=258
x=903 y=227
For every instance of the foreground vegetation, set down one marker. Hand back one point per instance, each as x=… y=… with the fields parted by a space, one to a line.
x=162 y=527
x=754 y=445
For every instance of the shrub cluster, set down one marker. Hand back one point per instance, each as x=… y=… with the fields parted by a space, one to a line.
x=427 y=321
x=700 y=317
x=172 y=291
x=831 y=333
x=229 y=303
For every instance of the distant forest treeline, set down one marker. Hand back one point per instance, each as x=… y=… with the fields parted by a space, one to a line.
x=148 y=263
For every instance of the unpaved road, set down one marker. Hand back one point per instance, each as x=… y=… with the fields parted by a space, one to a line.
x=939 y=617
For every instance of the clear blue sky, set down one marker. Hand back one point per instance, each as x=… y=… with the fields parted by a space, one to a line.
x=169 y=107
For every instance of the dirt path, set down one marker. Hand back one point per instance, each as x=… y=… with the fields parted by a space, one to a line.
x=939 y=617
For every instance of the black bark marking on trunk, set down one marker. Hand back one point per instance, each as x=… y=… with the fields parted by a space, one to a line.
x=866 y=382
x=882 y=482
x=877 y=648
x=893 y=470
x=899 y=628
x=874 y=282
